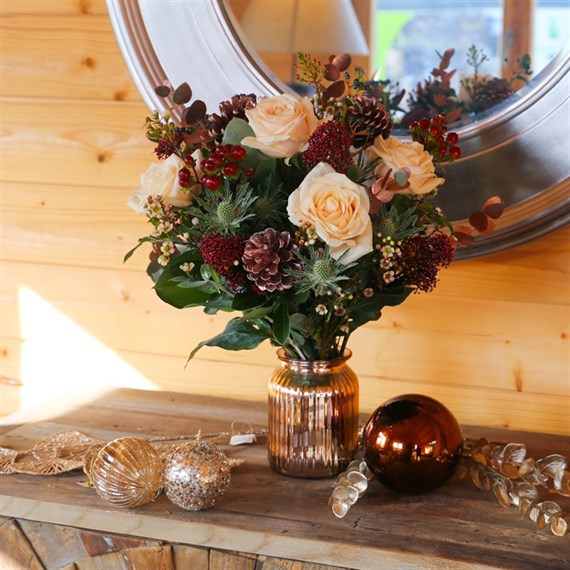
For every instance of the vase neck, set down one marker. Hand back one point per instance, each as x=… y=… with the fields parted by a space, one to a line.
x=313 y=365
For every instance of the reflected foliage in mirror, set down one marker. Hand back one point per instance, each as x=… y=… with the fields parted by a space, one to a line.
x=506 y=149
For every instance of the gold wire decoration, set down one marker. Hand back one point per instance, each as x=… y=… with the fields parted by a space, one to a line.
x=127 y=472
x=55 y=454
x=70 y=450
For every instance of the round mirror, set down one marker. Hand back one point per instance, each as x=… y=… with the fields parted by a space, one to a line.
x=518 y=149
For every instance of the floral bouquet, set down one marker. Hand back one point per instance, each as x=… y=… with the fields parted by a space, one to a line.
x=302 y=214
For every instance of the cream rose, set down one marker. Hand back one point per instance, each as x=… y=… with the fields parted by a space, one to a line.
x=337 y=210
x=397 y=154
x=282 y=125
x=161 y=179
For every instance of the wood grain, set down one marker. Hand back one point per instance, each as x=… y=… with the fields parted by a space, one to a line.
x=265 y=514
x=74 y=142
x=54 y=7
x=491 y=341
x=92 y=68
x=16 y=552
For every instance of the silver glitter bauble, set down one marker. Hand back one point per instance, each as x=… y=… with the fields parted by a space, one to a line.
x=196 y=475
x=127 y=472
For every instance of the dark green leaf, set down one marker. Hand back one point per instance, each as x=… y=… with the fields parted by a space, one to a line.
x=265 y=170
x=206 y=272
x=186 y=282
x=281 y=326
x=256 y=313
x=220 y=301
x=371 y=309
x=298 y=321
x=303 y=297
x=130 y=253
x=238 y=335
x=172 y=292
x=244 y=301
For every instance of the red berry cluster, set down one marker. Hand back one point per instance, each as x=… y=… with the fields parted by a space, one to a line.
x=432 y=134
x=226 y=161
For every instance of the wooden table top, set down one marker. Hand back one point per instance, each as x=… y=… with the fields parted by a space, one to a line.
x=457 y=526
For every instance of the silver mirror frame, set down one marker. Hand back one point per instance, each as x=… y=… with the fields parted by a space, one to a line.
x=519 y=150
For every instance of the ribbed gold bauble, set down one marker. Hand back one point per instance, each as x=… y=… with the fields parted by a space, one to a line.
x=127 y=472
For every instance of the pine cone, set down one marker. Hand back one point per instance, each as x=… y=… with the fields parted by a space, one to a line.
x=236 y=107
x=267 y=257
x=368 y=118
x=491 y=93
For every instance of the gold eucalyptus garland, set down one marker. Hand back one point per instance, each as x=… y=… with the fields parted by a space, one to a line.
x=515 y=479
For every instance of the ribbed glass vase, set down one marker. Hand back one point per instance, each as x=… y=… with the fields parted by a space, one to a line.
x=313 y=416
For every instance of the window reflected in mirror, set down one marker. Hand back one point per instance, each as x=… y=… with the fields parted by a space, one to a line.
x=422 y=57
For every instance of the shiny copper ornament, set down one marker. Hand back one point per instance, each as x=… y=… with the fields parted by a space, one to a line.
x=413 y=444
x=127 y=472
x=196 y=475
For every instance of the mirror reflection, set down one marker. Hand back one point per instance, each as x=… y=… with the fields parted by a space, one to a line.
x=422 y=56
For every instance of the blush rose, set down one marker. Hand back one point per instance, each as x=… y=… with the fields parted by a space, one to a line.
x=337 y=209
x=397 y=154
x=161 y=179
x=282 y=125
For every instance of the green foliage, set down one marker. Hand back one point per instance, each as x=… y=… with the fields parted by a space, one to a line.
x=225 y=214
x=239 y=334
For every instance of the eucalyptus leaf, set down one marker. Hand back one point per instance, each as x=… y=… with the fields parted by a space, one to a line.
x=236 y=130
x=400 y=178
x=298 y=321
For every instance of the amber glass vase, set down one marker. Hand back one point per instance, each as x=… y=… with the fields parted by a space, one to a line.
x=313 y=416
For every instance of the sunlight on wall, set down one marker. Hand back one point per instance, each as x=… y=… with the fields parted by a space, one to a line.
x=58 y=355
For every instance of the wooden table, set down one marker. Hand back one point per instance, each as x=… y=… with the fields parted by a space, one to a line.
x=264 y=521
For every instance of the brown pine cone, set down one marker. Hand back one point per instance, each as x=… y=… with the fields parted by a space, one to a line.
x=236 y=107
x=491 y=93
x=267 y=257
x=368 y=119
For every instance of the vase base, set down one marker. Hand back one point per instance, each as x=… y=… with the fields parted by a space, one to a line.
x=301 y=470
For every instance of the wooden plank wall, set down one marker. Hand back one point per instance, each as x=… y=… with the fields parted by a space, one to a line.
x=491 y=342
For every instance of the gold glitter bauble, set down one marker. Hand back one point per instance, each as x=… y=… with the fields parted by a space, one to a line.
x=196 y=475
x=127 y=472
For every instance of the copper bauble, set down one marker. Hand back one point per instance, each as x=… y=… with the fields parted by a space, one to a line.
x=127 y=472
x=196 y=475
x=413 y=444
